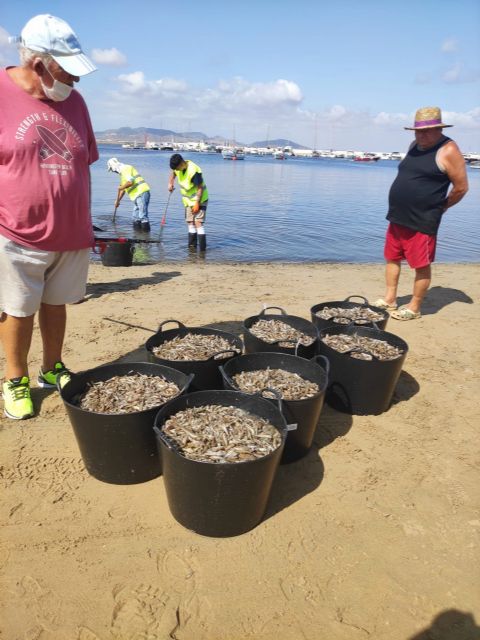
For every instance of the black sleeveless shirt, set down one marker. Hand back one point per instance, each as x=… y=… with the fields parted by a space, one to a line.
x=418 y=193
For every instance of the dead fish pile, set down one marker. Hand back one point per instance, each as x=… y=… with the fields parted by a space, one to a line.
x=289 y=385
x=365 y=348
x=221 y=434
x=274 y=331
x=193 y=346
x=127 y=394
x=359 y=315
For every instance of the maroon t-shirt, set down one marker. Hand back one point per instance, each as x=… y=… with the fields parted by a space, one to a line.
x=46 y=148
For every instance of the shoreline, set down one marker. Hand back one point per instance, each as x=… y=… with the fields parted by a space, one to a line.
x=372 y=534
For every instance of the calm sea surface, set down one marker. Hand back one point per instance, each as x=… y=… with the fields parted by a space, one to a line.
x=261 y=209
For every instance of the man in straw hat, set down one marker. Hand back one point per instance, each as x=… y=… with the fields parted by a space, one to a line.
x=46 y=147
x=417 y=201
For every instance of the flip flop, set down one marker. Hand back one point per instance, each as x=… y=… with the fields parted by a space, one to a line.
x=405 y=314
x=382 y=304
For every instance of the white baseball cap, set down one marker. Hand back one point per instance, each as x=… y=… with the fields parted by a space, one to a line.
x=48 y=34
x=114 y=165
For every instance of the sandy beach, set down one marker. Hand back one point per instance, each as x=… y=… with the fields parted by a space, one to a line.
x=374 y=534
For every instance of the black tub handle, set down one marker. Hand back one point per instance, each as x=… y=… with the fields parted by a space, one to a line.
x=227 y=378
x=297 y=344
x=351 y=325
x=325 y=362
x=234 y=352
x=278 y=398
x=360 y=350
x=365 y=301
x=188 y=382
x=277 y=395
x=282 y=311
x=161 y=436
x=289 y=340
x=162 y=324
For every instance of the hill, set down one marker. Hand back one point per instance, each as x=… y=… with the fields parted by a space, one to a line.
x=279 y=142
x=142 y=134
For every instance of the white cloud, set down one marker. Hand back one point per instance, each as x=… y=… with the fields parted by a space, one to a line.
x=4 y=35
x=109 y=57
x=258 y=94
x=459 y=74
x=453 y=74
x=252 y=109
x=392 y=119
x=8 y=51
x=449 y=45
x=468 y=119
x=136 y=83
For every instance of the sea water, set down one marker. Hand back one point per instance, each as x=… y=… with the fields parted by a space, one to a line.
x=262 y=209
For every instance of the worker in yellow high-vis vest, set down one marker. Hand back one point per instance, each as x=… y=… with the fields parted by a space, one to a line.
x=132 y=183
x=194 y=196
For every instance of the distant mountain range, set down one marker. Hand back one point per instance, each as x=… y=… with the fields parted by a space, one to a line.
x=143 y=134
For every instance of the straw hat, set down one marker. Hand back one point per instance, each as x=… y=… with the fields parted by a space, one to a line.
x=428 y=118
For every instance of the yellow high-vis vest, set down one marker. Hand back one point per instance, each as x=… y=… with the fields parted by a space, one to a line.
x=187 y=188
x=139 y=185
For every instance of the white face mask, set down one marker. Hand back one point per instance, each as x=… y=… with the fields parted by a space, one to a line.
x=58 y=92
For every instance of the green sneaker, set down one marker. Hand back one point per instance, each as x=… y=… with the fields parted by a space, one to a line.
x=17 y=401
x=48 y=379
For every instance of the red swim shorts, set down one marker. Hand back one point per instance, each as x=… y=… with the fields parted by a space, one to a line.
x=402 y=243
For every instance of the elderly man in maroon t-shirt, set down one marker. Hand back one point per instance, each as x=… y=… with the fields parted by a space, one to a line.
x=46 y=147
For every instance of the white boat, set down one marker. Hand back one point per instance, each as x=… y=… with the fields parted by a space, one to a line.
x=233 y=153
x=474 y=165
x=279 y=155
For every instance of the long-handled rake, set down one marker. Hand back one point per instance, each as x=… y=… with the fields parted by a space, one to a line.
x=164 y=219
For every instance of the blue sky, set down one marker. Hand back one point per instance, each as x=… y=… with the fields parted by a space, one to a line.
x=342 y=74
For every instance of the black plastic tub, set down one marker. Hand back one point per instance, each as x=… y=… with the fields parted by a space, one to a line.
x=361 y=387
x=253 y=344
x=117 y=448
x=207 y=374
x=116 y=253
x=320 y=323
x=304 y=414
x=219 y=500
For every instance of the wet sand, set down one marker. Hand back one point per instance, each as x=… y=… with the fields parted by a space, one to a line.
x=373 y=535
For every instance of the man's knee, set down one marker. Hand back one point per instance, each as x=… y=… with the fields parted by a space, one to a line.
x=424 y=272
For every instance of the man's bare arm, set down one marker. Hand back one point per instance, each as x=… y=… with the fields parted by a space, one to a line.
x=454 y=164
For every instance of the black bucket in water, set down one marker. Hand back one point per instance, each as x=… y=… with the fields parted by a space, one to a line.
x=207 y=374
x=117 y=448
x=115 y=253
x=253 y=344
x=362 y=387
x=219 y=499
x=321 y=323
x=304 y=414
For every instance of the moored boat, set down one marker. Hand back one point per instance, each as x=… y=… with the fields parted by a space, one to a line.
x=366 y=157
x=233 y=153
